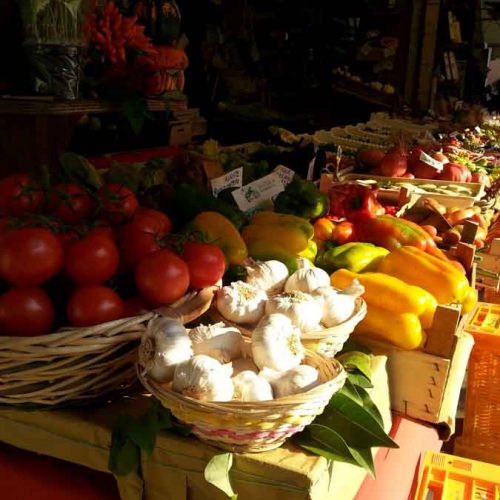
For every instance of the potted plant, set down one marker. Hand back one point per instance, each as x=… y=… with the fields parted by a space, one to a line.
x=54 y=41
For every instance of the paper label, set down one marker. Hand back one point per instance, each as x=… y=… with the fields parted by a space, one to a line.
x=259 y=193
x=231 y=179
x=428 y=160
x=285 y=174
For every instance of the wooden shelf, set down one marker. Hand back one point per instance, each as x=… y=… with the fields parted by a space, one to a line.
x=363 y=96
x=28 y=106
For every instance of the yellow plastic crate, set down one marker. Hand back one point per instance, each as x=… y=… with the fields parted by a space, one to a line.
x=447 y=477
x=481 y=435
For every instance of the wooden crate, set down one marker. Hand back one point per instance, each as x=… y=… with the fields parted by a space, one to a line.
x=426 y=385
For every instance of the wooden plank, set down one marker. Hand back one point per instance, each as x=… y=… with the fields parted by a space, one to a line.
x=465 y=253
x=441 y=335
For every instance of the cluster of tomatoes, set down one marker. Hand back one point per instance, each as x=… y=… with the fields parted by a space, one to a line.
x=66 y=253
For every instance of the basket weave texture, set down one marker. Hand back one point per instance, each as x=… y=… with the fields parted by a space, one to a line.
x=249 y=427
x=78 y=365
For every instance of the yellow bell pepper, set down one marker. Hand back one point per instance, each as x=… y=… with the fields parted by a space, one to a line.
x=469 y=301
x=437 y=276
x=287 y=235
x=310 y=252
x=386 y=292
x=402 y=330
x=267 y=218
x=221 y=232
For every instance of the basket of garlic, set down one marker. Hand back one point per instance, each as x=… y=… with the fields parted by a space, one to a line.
x=325 y=316
x=79 y=365
x=238 y=394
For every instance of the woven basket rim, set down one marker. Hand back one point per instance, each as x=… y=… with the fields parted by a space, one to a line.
x=162 y=393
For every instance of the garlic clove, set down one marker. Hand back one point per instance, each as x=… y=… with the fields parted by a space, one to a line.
x=164 y=345
x=204 y=378
x=241 y=302
x=219 y=341
x=276 y=343
x=248 y=386
x=269 y=276
x=299 y=379
x=301 y=308
x=307 y=280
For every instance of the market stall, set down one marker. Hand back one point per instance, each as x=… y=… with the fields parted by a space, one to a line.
x=288 y=317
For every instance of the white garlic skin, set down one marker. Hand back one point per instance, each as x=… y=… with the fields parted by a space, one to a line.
x=302 y=309
x=338 y=306
x=307 y=280
x=217 y=341
x=163 y=346
x=204 y=378
x=302 y=378
x=241 y=303
x=248 y=386
x=269 y=276
x=276 y=343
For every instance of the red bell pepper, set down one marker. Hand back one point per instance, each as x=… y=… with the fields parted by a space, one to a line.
x=354 y=202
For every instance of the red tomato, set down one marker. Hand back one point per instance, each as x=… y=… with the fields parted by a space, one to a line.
x=67 y=238
x=323 y=229
x=206 y=263
x=92 y=305
x=135 y=246
x=102 y=228
x=26 y=312
x=30 y=256
x=162 y=278
x=343 y=232
x=5 y=223
x=119 y=203
x=18 y=195
x=70 y=203
x=92 y=260
x=153 y=221
x=135 y=306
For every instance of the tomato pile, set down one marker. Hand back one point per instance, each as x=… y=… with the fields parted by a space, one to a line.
x=70 y=255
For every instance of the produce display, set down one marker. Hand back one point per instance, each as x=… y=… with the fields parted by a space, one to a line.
x=301 y=272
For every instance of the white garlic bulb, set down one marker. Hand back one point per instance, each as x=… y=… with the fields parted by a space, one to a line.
x=338 y=306
x=164 y=345
x=269 y=276
x=248 y=386
x=302 y=378
x=244 y=365
x=204 y=378
x=241 y=302
x=276 y=343
x=307 y=280
x=218 y=341
x=304 y=312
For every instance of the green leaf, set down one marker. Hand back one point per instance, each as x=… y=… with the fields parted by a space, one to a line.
x=328 y=443
x=217 y=473
x=370 y=406
x=359 y=380
x=364 y=457
x=79 y=170
x=356 y=360
x=124 y=456
x=351 y=392
x=356 y=425
x=182 y=430
x=352 y=345
x=143 y=431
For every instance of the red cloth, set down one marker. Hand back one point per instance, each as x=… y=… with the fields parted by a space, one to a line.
x=28 y=476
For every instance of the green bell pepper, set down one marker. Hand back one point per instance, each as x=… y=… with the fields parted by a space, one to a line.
x=302 y=198
x=356 y=257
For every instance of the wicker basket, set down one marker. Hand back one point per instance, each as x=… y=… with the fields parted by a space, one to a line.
x=253 y=427
x=79 y=365
x=328 y=341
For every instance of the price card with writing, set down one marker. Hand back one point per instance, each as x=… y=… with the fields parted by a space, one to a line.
x=259 y=193
x=285 y=174
x=429 y=160
x=231 y=179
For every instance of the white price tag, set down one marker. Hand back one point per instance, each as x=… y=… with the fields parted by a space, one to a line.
x=429 y=160
x=258 y=194
x=231 y=179
x=285 y=174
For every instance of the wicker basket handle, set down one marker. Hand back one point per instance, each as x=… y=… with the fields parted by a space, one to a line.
x=191 y=306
